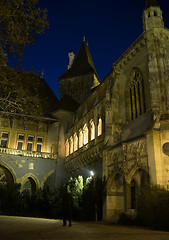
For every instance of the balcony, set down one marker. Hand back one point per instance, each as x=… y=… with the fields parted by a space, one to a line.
x=25 y=153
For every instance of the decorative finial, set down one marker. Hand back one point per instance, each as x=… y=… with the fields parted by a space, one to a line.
x=84 y=38
x=42 y=74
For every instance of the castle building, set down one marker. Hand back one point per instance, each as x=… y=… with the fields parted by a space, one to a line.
x=121 y=127
x=117 y=128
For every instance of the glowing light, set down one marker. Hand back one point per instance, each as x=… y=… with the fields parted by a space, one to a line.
x=92 y=173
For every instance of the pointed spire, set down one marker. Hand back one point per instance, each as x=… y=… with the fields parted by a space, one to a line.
x=82 y=64
x=150 y=3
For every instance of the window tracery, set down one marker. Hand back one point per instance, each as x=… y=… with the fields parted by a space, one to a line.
x=137 y=96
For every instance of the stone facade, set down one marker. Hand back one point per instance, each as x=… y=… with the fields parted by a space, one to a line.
x=27 y=149
x=118 y=128
x=132 y=103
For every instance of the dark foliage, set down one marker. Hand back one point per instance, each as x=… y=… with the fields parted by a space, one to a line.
x=48 y=202
x=152 y=207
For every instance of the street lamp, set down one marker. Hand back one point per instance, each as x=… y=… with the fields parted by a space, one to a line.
x=92 y=173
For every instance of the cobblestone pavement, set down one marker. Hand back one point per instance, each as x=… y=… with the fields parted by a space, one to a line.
x=17 y=228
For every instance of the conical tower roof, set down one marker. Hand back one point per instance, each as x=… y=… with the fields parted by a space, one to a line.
x=82 y=65
x=150 y=3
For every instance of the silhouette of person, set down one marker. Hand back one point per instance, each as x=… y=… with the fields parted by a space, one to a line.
x=67 y=202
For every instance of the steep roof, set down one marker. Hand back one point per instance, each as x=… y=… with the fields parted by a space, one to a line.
x=151 y=3
x=67 y=103
x=82 y=65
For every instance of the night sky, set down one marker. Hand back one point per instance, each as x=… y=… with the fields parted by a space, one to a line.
x=110 y=27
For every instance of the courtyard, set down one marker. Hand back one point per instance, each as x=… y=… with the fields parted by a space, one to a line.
x=17 y=228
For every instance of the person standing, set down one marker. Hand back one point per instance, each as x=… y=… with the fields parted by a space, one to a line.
x=67 y=202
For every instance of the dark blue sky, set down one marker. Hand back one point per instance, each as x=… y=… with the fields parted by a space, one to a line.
x=110 y=27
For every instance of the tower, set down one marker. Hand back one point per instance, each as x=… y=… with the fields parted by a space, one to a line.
x=81 y=77
x=152 y=16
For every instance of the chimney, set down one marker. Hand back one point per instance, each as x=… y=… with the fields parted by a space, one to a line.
x=71 y=58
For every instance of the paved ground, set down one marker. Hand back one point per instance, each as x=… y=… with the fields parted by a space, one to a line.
x=17 y=228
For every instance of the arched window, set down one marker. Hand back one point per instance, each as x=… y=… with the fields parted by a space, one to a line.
x=75 y=142
x=71 y=145
x=80 y=138
x=136 y=93
x=85 y=134
x=99 y=127
x=67 y=147
x=92 y=130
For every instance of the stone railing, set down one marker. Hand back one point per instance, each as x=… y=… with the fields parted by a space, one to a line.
x=25 y=153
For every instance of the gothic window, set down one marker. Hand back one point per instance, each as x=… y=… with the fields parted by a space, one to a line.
x=92 y=130
x=85 y=134
x=80 y=138
x=136 y=93
x=75 y=142
x=71 y=145
x=67 y=147
x=99 y=127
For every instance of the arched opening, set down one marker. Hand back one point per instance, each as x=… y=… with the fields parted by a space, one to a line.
x=92 y=130
x=139 y=179
x=80 y=138
x=99 y=127
x=85 y=134
x=75 y=141
x=5 y=176
x=29 y=185
x=71 y=145
x=67 y=147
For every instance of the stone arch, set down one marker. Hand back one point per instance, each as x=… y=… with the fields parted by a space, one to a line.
x=115 y=183
x=7 y=173
x=136 y=179
x=29 y=182
x=115 y=195
x=132 y=174
x=46 y=177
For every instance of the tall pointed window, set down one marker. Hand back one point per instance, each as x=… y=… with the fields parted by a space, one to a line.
x=67 y=147
x=75 y=138
x=92 y=130
x=80 y=138
x=99 y=127
x=71 y=145
x=85 y=134
x=136 y=93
